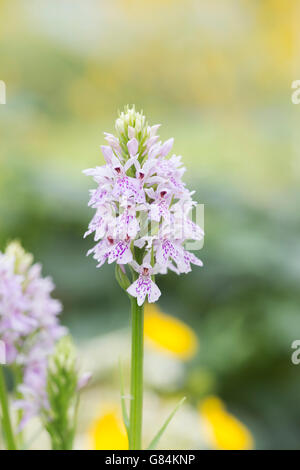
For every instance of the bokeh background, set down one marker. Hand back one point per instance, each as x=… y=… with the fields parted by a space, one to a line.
x=218 y=76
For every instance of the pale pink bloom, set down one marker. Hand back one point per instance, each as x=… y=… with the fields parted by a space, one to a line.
x=166 y=147
x=160 y=206
x=83 y=380
x=133 y=147
x=112 y=250
x=144 y=287
x=127 y=223
x=113 y=142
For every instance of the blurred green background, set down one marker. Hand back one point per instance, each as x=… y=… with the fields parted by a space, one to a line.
x=217 y=75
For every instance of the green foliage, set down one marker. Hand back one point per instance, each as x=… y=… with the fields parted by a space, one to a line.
x=121 y=277
x=63 y=395
x=123 y=402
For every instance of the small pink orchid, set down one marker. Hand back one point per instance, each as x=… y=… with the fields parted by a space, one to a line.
x=112 y=250
x=144 y=286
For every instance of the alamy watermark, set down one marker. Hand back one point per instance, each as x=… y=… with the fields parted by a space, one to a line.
x=181 y=222
x=295 y=358
x=2 y=353
x=2 y=92
x=296 y=94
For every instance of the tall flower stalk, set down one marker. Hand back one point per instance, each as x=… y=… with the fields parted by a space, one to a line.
x=6 y=420
x=142 y=224
x=136 y=387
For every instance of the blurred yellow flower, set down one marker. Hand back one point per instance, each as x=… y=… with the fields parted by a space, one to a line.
x=108 y=432
x=169 y=334
x=224 y=430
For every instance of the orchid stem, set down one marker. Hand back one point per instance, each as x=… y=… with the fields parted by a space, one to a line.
x=6 y=422
x=137 y=355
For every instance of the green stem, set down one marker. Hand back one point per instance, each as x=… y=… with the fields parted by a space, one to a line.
x=18 y=380
x=137 y=353
x=6 y=423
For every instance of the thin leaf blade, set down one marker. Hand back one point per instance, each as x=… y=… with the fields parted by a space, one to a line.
x=123 y=404
x=157 y=437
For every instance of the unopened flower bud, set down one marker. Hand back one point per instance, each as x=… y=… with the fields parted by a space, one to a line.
x=22 y=259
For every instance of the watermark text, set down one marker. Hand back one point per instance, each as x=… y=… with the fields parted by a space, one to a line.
x=2 y=92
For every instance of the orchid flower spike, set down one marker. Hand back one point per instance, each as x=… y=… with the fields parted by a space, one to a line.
x=139 y=193
x=29 y=326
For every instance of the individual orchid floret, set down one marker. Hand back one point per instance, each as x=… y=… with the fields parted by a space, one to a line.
x=113 y=142
x=127 y=222
x=160 y=204
x=133 y=147
x=112 y=250
x=144 y=286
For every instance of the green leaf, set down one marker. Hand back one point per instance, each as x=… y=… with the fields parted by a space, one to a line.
x=123 y=404
x=122 y=278
x=157 y=437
